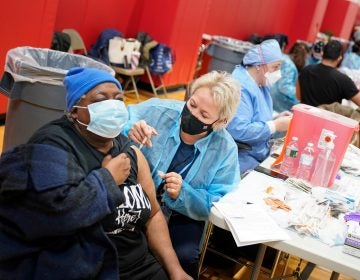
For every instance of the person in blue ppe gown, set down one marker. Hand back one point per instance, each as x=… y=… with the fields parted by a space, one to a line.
x=192 y=158
x=352 y=58
x=283 y=92
x=253 y=124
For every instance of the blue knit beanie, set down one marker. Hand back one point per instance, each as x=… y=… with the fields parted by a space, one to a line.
x=266 y=52
x=78 y=81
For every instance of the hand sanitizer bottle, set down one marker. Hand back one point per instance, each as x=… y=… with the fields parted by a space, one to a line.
x=325 y=163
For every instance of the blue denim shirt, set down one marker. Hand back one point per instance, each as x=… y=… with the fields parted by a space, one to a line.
x=215 y=170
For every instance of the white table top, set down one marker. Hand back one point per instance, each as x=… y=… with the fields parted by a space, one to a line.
x=309 y=249
x=304 y=247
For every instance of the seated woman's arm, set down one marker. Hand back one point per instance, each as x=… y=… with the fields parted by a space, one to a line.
x=157 y=231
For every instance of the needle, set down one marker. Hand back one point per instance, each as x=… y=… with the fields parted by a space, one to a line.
x=145 y=139
x=143 y=142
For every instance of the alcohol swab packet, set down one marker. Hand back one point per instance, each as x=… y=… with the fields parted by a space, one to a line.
x=161 y=173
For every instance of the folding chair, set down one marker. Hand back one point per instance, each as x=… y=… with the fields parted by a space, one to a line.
x=130 y=76
x=77 y=43
x=161 y=86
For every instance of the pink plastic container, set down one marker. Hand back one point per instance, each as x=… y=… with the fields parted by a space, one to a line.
x=311 y=124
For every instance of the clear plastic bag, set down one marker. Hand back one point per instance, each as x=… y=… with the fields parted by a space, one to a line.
x=314 y=219
x=27 y=64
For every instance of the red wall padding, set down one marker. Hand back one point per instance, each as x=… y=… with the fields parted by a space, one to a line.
x=340 y=17
x=90 y=17
x=178 y=23
x=181 y=23
x=25 y=23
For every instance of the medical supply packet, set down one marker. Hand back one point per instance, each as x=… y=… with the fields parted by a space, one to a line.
x=352 y=240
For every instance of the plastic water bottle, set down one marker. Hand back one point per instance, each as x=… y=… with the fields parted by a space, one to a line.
x=306 y=162
x=291 y=153
x=324 y=163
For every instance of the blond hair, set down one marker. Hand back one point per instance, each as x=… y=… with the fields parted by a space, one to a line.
x=224 y=89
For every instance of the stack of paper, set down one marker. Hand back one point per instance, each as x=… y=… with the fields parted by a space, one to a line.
x=250 y=223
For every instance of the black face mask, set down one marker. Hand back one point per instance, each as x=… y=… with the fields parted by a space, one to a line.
x=191 y=125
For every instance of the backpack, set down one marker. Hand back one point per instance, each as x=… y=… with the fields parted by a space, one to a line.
x=99 y=50
x=147 y=43
x=60 y=41
x=124 y=52
x=162 y=59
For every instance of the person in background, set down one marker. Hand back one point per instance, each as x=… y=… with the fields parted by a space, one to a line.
x=323 y=84
x=282 y=39
x=316 y=53
x=350 y=65
x=192 y=158
x=253 y=125
x=283 y=92
x=352 y=59
x=77 y=201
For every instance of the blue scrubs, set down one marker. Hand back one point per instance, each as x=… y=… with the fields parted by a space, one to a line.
x=249 y=124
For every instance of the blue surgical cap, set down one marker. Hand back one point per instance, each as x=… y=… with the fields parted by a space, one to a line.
x=266 y=52
x=78 y=81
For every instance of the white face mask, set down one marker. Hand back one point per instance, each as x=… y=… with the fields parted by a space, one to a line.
x=273 y=77
x=107 y=118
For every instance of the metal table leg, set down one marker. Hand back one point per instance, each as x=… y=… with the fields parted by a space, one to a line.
x=258 y=262
x=334 y=276
x=208 y=232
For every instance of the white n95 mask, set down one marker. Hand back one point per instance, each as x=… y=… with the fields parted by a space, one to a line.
x=107 y=118
x=272 y=77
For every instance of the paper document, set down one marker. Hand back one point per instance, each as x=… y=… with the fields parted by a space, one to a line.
x=250 y=223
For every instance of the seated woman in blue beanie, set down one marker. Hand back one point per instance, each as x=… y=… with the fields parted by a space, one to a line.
x=77 y=201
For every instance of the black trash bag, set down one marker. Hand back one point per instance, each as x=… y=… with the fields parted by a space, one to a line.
x=60 y=41
x=255 y=39
x=281 y=38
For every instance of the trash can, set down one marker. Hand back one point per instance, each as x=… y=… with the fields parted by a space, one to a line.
x=33 y=81
x=226 y=52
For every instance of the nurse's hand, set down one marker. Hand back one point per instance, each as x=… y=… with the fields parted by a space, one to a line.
x=282 y=123
x=173 y=183
x=284 y=113
x=141 y=133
